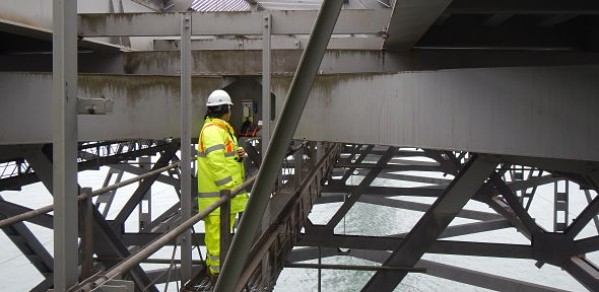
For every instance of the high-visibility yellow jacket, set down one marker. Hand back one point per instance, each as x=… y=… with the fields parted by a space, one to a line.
x=219 y=166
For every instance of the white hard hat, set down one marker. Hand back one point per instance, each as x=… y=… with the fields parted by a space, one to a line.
x=218 y=97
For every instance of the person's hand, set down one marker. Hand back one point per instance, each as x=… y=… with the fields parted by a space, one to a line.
x=241 y=153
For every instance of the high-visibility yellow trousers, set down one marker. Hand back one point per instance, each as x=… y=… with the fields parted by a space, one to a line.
x=212 y=241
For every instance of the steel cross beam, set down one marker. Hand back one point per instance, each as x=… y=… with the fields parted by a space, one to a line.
x=247 y=23
x=448 y=272
x=531 y=227
x=110 y=246
x=480 y=279
x=588 y=213
x=33 y=249
x=433 y=223
x=144 y=186
x=359 y=243
x=355 y=195
x=9 y=210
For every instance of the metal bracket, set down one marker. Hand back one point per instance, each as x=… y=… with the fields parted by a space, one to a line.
x=94 y=106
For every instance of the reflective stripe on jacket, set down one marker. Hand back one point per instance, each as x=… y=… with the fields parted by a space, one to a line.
x=218 y=167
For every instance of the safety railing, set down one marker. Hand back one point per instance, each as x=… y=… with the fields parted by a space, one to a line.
x=131 y=261
x=290 y=209
x=127 y=264
x=305 y=178
x=84 y=196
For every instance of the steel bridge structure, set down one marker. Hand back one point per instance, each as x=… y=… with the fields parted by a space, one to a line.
x=414 y=111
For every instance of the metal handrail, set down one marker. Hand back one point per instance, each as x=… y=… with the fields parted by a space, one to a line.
x=134 y=259
x=148 y=250
x=84 y=196
x=263 y=244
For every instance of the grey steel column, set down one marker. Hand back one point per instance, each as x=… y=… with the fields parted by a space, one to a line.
x=266 y=76
x=266 y=68
x=432 y=223
x=64 y=137
x=185 y=144
x=284 y=130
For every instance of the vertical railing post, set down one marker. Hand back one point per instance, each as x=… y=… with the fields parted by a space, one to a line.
x=225 y=226
x=298 y=161
x=87 y=239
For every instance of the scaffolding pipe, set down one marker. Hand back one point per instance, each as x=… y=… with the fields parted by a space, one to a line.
x=155 y=245
x=84 y=196
x=284 y=131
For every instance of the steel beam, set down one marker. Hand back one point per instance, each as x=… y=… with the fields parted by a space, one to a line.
x=342 y=59
x=479 y=279
x=283 y=133
x=509 y=108
x=588 y=213
x=114 y=249
x=248 y=62
x=186 y=157
x=280 y=42
x=9 y=210
x=584 y=271
x=364 y=184
x=266 y=81
x=40 y=162
x=437 y=109
x=370 y=21
x=433 y=223
x=266 y=119
x=64 y=136
x=410 y=21
x=381 y=191
x=365 y=243
x=510 y=197
x=414 y=206
x=31 y=248
x=143 y=187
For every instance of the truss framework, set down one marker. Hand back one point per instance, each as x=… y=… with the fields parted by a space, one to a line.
x=368 y=165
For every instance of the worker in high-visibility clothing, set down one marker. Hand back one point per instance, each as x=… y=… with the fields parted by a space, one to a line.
x=220 y=167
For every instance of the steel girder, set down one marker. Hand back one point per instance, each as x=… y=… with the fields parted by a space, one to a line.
x=347 y=58
x=504 y=111
x=372 y=21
